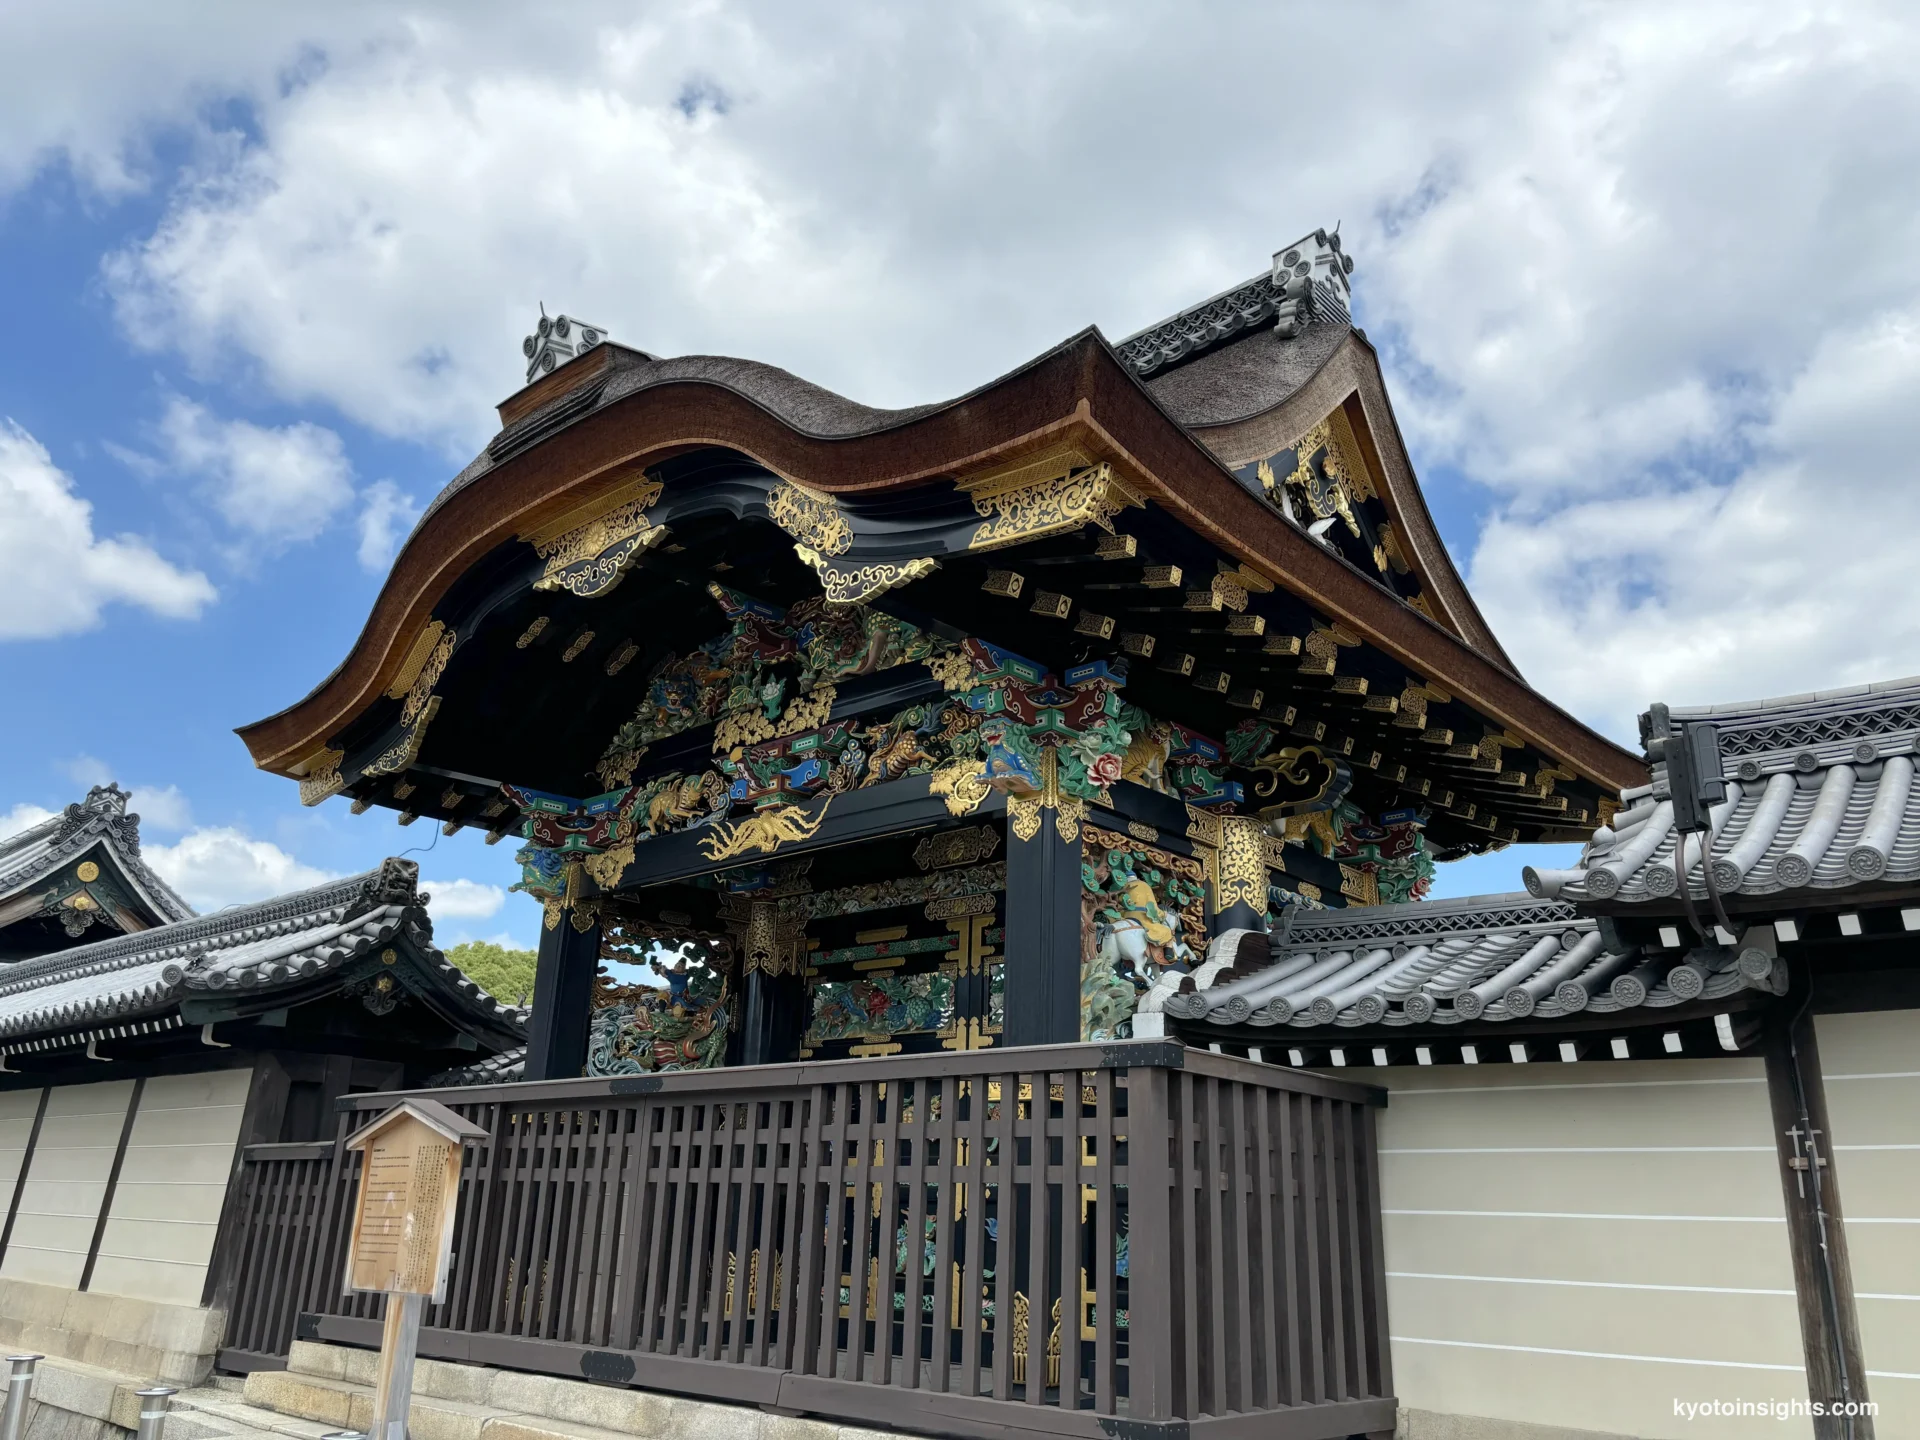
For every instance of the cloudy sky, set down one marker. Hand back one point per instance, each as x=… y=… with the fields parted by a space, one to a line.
x=1647 y=278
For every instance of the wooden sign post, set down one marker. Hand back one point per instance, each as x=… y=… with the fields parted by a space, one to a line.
x=403 y=1235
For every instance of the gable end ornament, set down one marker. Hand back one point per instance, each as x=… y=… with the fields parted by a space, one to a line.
x=1062 y=489
x=593 y=554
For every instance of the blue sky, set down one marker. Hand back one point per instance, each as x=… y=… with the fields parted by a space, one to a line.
x=1643 y=278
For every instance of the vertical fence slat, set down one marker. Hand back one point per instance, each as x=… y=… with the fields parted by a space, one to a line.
x=1152 y=1335
x=887 y=1229
x=912 y=1172
x=973 y=1280
x=1106 y=1218
x=1006 y=1231
x=1382 y=1377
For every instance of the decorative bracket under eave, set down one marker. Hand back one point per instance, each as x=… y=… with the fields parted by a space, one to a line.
x=1056 y=490
x=590 y=549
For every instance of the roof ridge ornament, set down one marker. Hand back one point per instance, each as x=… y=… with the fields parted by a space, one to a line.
x=556 y=340
x=1309 y=280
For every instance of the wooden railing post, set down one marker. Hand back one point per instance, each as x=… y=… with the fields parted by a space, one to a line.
x=1151 y=1332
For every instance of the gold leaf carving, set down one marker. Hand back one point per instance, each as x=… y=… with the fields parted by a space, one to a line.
x=850 y=587
x=962 y=783
x=1016 y=506
x=592 y=557
x=607 y=867
x=400 y=756
x=322 y=778
x=810 y=517
x=946 y=848
x=1242 y=866
x=751 y=726
x=1023 y=815
x=765 y=832
x=423 y=646
x=953 y=669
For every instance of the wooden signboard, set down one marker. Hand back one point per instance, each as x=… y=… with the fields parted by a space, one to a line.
x=403 y=1235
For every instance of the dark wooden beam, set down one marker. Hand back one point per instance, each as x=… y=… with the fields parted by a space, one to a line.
x=26 y=1163
x=1816 y=1225
x=113 y=1182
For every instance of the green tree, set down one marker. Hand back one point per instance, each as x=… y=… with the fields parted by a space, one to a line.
x=505 y=974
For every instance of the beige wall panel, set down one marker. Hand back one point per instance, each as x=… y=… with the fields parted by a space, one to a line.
x=149 y=1279
x=181 y=1242
x=208 y=1087
x=1596 y=1158
x=1740 y=1256
x=1684 y=1182
x=1669 y=1325
x=166 y=1207
x=60 y=1200
x=1872 y=1066
x=164 y=1200
x=1720 y=1102
x=1885 y=1258
x=1617 y=1397
x=16 y=1125
x=1875 y=1042
x=64 y=1197
x=1878 y=1111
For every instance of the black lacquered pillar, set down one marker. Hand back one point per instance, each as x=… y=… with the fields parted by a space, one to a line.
x=562 y=999
x=772 y=1016
x=1042 y=974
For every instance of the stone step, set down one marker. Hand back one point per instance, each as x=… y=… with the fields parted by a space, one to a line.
x=212 y=1411
x=331 y=1387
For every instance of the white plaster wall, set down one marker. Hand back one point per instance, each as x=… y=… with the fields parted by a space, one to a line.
x=16 y=1124
x=1581 y=1245
x=60 y=1200
x=166 y=1207
x=1872 y=1068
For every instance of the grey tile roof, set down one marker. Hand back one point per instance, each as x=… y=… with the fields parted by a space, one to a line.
x=1820 y=797
x=252 y=949
x=1492 y=957
x=30 y=856
x=501 y=1069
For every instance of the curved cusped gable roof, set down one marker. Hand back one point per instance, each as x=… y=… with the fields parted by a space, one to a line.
x=628 y=412
x=84 y=866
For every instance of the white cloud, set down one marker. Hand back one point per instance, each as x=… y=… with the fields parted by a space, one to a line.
x=385 y=517
x=221 y=865
x=1642 y=271
x=87 y=770
x=463 y=899
x=280 y=483
x=56 y=575
x=23 y=816
x=160 y=807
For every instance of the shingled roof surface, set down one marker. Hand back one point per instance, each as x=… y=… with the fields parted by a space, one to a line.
x=1488 y=958
x=32 y=855
x=133 y=980
x=1820 y=797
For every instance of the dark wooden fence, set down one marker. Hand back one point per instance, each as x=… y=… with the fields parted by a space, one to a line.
x=1077 y=1240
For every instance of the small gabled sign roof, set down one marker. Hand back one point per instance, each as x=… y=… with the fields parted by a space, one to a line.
x=431 y=1113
